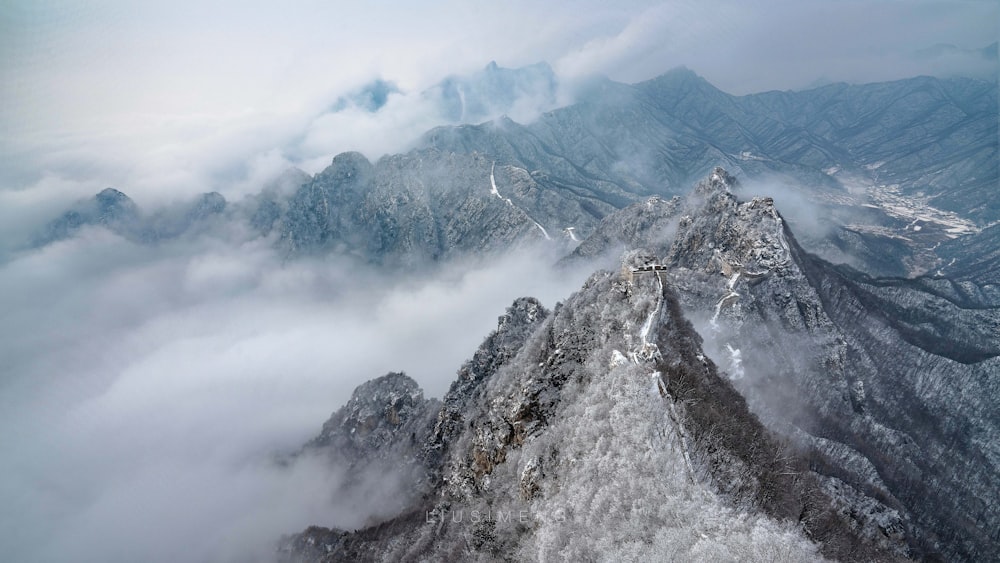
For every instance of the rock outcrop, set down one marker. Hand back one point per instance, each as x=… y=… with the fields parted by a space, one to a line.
x=720 y=362
x=864 y=373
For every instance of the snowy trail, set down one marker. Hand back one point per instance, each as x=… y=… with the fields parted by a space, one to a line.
x=496 y=192
x=728 y=296
x=493 y=187
x=649 y=351
x=648 y=325
x=735 y=357
x=544 y=232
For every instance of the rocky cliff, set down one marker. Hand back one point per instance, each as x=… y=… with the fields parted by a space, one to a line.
x=721 y=363
x=865 y=373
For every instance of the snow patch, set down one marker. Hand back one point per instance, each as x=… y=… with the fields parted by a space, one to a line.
x=917 y=208
x=496 y=192
x=540 y=227
x=730 y=295
x=617 y=359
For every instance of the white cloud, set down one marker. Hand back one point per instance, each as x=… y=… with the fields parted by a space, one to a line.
x=149 y=386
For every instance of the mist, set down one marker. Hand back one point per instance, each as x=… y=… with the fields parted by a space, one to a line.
x=164 y=102
x=147 y=389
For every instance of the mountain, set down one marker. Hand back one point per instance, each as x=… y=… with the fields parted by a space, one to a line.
x=117 y=212
x=864 y=372
x=109 y=208
x=373 y=442
x=881 y=159
x=370 y=98
x=885 y=197
x=568 y=435
x=585 y=431
x=876 y=176
x=472 y=98
x=941 y=50
x=405 y=208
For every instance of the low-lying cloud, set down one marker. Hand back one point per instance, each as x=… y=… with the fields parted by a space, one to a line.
x=146 y=389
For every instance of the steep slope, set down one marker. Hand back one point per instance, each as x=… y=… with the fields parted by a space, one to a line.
x=975 y=258
x=374 y=424
x=571 y=435
x=375 y=443
x=928 y=136
x=603 y=429
x=906 y=164
x=891 y=383
x=425 y=205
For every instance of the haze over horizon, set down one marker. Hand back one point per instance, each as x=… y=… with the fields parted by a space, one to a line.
x=166 y=101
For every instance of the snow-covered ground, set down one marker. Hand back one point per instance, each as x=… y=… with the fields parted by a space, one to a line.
x=913 y=209
x=496 y=192
x=889 y=199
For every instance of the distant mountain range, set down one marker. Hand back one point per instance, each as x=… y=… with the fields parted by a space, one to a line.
x=889 y=171
x=901 y=165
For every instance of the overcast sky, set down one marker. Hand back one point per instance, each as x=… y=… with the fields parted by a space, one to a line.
x=169 y=99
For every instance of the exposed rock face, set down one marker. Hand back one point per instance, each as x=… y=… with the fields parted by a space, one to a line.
x=375 y=443
x=594 y=422
x=867 y=372
x=387 y=418
x=513 y=329
x=630 y=228
x=563 y=438
x=614 y=387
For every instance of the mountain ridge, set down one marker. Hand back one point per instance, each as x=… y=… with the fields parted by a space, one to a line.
x=885 y=197
x=859 y=496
